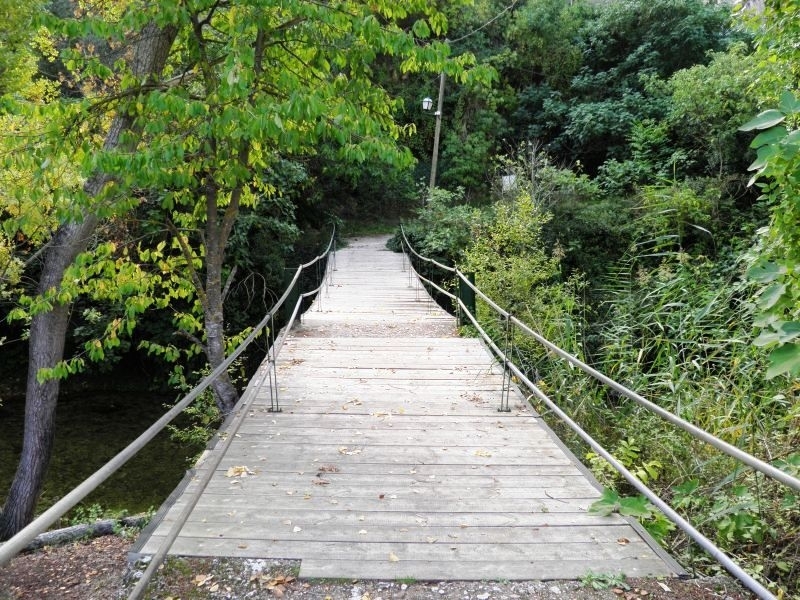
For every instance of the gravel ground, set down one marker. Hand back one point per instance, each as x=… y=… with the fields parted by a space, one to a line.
x=262 y=579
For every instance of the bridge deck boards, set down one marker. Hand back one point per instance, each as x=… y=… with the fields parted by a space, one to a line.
x=390 y=459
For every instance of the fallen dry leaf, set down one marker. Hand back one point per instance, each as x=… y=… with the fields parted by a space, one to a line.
x=623 y=541
x=393 y=557
x=239 y=471
x=484 y=453
x=349 y=451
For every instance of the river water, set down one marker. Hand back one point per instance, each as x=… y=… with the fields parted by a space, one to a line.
x=91 y=428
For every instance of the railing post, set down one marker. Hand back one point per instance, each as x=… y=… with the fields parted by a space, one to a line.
x=294 y=294
x=505 y=396
x=467 y=296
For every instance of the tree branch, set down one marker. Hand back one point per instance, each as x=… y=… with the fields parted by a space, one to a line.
x=229 y=282
x=187 y=256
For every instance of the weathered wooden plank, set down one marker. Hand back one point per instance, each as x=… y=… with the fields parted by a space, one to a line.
x=417 y=523
x=413 y=478
x=331 y=454
x=450 y=551
x=489 y=569
x=367 y=531
x=391 y=437
x=352 y=421
x=311 y=501
x=267 y=490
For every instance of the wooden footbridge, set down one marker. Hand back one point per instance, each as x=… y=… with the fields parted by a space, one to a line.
x=389 y=458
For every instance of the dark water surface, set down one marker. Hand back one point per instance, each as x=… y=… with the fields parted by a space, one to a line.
x=92 y=428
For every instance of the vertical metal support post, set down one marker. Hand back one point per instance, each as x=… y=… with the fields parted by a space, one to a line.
x=467 y=296
x=331 y=267
x=274 y=402
x=506 y=392
x=317 y=283
x=418 y=280
x=410 y=270
x=294 y=294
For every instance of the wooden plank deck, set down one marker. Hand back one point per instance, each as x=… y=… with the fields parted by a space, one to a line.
x=390 y=459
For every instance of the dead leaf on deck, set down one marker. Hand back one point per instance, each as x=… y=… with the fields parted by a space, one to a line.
x=328 y=469
x=484 y=453
x=278 y=585
x=393 y=557
x=321 y=482
x=239 y=471
x=623 y=541
x=349 y=451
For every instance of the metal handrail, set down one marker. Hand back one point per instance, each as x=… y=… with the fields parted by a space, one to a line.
x=732 y=567
x=18 y=542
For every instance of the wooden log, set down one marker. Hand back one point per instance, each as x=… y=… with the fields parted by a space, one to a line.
x=66 y=535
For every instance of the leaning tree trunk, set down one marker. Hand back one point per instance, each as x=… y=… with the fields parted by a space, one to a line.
x=48 y=329
x=46 y=349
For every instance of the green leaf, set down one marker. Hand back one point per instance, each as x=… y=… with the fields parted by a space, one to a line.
x=772 y=135
x=771 y=295
x=784 y=359
x=764 y=120
x=765 y=271
x=607 y=504
x=789 y=104
x=789 y=331
x=635 y=506
x=421 y=29
x=766 y=338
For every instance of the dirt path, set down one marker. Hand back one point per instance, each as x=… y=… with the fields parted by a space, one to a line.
x=98 y=570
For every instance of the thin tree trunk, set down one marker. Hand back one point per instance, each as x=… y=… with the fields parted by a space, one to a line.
x=214 y=313
x=49 y=329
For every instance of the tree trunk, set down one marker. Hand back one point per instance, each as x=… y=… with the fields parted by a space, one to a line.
x=216 y=237
x=49 y=329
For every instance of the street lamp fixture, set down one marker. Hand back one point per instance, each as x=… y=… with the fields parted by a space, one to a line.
x=427 y=104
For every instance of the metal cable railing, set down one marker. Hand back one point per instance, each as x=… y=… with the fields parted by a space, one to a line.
x=503 y=356
x=13 y=546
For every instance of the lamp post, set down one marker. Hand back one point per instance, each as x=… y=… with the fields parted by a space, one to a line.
x=427 y=104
